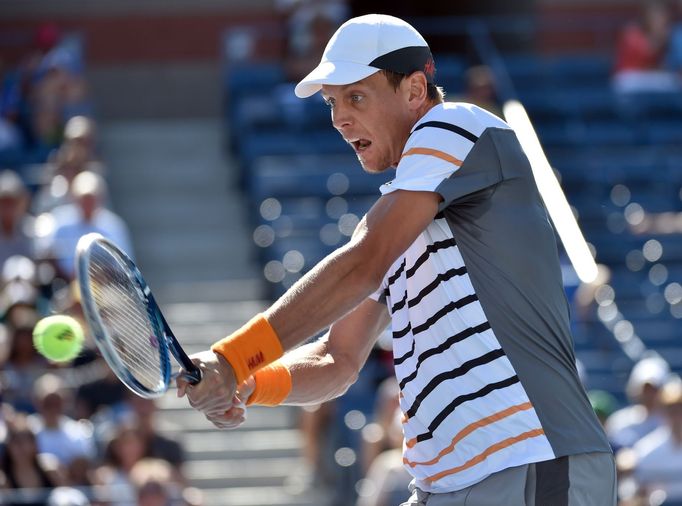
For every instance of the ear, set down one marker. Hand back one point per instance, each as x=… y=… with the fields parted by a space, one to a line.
x=416 y=89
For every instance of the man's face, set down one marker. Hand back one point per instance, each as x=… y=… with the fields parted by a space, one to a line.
x=373 y=118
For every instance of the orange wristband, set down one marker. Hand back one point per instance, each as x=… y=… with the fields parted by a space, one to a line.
x=250 y=348
x=273 y=384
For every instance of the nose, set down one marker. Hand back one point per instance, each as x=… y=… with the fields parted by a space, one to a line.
x=341 y=117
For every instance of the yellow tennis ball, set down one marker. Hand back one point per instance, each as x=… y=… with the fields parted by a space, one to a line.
x=58 y=338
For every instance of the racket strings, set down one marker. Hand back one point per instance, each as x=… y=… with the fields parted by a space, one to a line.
x=123 y=311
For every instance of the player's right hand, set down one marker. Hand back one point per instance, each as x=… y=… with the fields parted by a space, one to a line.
x=215 y=394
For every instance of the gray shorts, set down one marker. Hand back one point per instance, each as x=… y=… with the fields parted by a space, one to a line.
x=588 y=479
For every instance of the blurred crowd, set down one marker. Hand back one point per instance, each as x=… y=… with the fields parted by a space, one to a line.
x=649 y=50
x=646 y=435
x=70 y=434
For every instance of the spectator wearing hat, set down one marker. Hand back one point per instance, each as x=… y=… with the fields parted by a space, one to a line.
x=659 y=455
x=67 y=496
x=628 y=425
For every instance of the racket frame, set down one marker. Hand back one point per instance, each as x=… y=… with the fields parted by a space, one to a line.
x=162 y=331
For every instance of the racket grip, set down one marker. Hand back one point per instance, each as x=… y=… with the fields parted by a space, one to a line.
x=192 y=375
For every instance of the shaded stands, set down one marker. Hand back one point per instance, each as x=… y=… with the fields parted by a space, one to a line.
x=620 y=162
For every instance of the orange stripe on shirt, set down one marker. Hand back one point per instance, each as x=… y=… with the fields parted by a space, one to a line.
x=433 y=152
x=466 y=431
x=486 y=453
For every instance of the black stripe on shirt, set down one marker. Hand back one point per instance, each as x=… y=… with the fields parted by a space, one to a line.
x=403 y=332
x=400 y=360
x=448 y=126
x=457 y=304
x=450 y=341
x=393 y=277
x=431 y=248
x=400 y=304
x=443 y=276
x=467 y=366
x=461 y=400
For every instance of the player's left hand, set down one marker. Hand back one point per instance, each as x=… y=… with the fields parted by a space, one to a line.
x=215 y=394
x=236 y=415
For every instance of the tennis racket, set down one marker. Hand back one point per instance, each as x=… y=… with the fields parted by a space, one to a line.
x=125 y=321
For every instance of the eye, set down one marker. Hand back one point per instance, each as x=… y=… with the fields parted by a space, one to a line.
x=329 y=102
x=356 y=98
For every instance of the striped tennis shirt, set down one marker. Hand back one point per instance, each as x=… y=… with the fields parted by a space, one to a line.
x=481 y=341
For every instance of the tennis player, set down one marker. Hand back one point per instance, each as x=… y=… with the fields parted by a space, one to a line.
x=459 y=257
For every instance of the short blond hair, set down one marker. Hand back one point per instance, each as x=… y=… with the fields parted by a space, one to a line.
x=433 y=92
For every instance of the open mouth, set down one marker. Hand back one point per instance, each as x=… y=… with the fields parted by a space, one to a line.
x=360 y=145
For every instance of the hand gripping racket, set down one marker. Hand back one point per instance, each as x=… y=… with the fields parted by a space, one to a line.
x=125 y=321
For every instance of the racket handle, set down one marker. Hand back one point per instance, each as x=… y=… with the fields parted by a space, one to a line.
x=191 y=374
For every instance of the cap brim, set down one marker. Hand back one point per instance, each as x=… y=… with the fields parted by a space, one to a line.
x=337 y=73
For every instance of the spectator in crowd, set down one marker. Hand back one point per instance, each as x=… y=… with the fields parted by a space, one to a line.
x=155 y=483
x=11 y=139
x=23 y=366
x=386 y=477
x=16 y=226
x=59 y=92
x=603 y=403
x=69 y=161
x=124 y=449
x=480 y=89
x=67 y=496
x=659 y=454
x=19 y=84
x=630 y=424
x=56 y=432
x=87 y=214
x=310 y=23
x=315 y=425
x=23 y=469
x=157 y=445
x=673 y=59
x=102 y=399
x=377 y=436
x=81 y=131
x=641 y=50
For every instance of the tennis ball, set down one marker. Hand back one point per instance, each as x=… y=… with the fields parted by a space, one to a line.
x=58 y=338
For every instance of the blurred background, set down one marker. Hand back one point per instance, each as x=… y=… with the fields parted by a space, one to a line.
x=171 y=127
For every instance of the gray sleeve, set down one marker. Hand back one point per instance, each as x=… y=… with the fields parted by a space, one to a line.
x=481 y=169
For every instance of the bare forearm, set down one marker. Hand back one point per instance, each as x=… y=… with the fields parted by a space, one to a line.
x=316 y=375
x=329 y=291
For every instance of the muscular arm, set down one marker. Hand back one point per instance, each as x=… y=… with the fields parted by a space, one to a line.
x=346 y=277
x=324 y=369
x=321 y=370
x=332 y=289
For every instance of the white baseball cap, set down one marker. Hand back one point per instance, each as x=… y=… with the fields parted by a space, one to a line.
x=364 y=45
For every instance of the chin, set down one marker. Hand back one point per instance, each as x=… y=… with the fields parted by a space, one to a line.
x=374 y=168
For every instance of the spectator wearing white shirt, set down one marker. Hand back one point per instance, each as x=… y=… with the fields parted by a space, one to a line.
x=56 y=433
x=630 y=424
x=659 y=455
x=87 y=214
